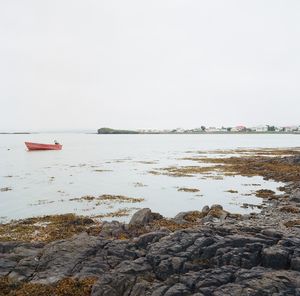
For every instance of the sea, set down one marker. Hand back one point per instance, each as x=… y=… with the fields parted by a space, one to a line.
x=36 y=183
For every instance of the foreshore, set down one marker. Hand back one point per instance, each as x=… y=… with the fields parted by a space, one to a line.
x=205 y=252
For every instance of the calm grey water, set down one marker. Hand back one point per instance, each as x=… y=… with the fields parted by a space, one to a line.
x=43 y=182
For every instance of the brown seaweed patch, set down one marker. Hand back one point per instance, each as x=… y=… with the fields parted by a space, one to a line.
x=194 y=216
x=185 y=189
x=252 y=206
x=42 y=202
x=4 y=189
x=290 y=209
x=66 y=286
x=212 y=177
x=154 y=172
x=293 y=223
x=108 y=198
x=146 y=162
x=168 y=224
x=78 y=166
x=265 y=193
x=281 y=188
x=83 y=198
x=231 y=191
x=51 y=179
x=119 y=198
x=47 y=228
x=139 y=184
x=189 y=171
x=280 y=169
x=116 y=214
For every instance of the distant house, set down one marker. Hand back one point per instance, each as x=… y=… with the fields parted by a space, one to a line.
x=197 y=130
x=260 y=128
x=223 y=129
x=291 y=128
x=178 y=130
x=239 y=128
x=212 y=129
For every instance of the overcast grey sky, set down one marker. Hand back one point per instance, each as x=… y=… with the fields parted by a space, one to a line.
x=148 y=64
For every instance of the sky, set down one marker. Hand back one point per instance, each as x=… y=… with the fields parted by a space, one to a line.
x=86 y=64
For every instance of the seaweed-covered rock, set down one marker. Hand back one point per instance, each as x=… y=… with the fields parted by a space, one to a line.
x=113 y=228
x=144 y=216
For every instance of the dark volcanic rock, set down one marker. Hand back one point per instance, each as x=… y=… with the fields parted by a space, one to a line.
x=19 y=260
x=253 y=256
x=204 y=261
x=275 y=257
x=205 y=209
x=113 y=228
x=144 y=240
x=295 y=196
x=143 y=217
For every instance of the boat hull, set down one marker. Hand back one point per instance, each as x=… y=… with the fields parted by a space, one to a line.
x=38 y=146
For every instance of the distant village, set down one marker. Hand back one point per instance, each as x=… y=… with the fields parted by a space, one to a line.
x=203 y=129
x=235 y=129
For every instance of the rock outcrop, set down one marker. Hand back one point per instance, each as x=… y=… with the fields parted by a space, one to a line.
x=219 y=258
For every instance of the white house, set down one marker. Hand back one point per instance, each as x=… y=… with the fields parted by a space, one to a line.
x=260 y=128
x=290 y=128
x=212 y=129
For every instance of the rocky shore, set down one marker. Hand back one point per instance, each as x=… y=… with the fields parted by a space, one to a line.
x=208 y=252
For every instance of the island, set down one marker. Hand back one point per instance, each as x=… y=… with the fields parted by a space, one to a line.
x=110 y=131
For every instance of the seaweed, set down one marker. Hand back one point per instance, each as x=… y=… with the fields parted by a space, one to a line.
x=65 y=287
x=48 y=228
x=185 y=189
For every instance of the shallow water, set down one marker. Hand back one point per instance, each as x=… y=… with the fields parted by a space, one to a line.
x=42 y=182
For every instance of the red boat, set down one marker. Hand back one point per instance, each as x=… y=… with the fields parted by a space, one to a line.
x=39 y=146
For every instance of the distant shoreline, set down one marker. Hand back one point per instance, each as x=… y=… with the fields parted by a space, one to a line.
x=205 y=133
x=110 y=131
x=15 y=133
x=159 y=133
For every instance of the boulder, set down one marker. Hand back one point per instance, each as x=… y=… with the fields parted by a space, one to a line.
x=177 y=290
x=179 y=218
x=135 y=267
x=216 y=207
x=140 y=288
x=151 y=237
x=205 y=210
x=111 y=228
x=275 y=257
x=295 y=196
x=272 y=233
x=190 y=216
x=143 y=217
x=295 y=263
x=217 y=211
